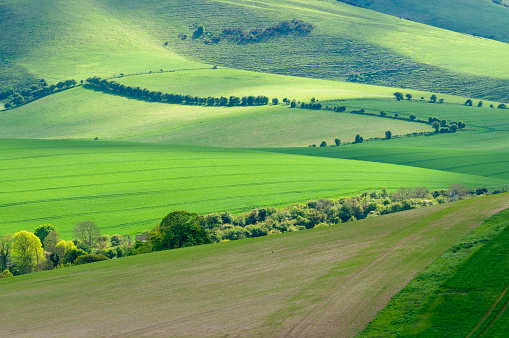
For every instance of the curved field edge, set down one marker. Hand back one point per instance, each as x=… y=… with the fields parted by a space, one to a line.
x=128 y=187
x=416 y=308
x=86 y=114
x=321 y=282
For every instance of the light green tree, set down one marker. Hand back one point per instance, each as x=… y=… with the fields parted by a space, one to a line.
x=64 y=247
x=27 y=252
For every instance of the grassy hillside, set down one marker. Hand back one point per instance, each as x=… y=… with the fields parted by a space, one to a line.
x=81 y=113
x=464 y=293
x=482 y=18
x=322 y=282
x=348 y=42
x=128 y=187
x=482 y=150
x=60 y=39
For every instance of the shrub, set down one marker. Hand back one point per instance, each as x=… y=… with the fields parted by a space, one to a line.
x=6 y=274
x=502 y=106
x=337 y=141
x=72 y=255
x=90 y=258
x=323 y=144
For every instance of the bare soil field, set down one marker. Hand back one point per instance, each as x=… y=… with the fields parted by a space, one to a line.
x=328 y=281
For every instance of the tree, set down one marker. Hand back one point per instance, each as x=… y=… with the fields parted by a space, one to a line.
x=117 y=240
x=323 y=144
x=388 y=134
x=502 y=106
x=479 y=104
x=337 y=141
x=293 y=104
x=87 y=232
x=51 y=241
x=399 y=96
x=408 y=96
x=454 y=127
x=26 y=250
x=179 y=229
x=358 y=138
x=436 y=126
x=412 y=117
x=5 y=251
x=469 y=103
x=433 y=98
x=43 y=230
x=275 y=101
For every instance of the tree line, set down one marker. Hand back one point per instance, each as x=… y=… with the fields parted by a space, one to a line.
x=43 y=249
x=158 y=96
x=36 y=91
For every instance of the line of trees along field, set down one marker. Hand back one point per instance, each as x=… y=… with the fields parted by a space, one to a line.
x=26 y=252
x=36 y=91
x=158 y=96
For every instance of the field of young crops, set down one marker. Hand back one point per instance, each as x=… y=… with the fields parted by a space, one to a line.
x=128 y=187
x=323 y=282
x=464 y=293
x=485 y=163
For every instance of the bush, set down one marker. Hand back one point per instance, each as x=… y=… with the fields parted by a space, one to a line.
x=323 y=144
x=502 y=106
x=72 y=255
x=6 y=274
x=337 y=141
x=90 y=258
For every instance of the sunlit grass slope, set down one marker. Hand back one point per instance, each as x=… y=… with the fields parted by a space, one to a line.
x=346 y=41
x=323 y=282
x=128 y=187
x=476 y=17
x=60 y=39
x=81 y=113
x=227 y=81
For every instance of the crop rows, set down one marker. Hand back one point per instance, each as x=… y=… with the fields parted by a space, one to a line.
x=126 y=188
x=462 y=294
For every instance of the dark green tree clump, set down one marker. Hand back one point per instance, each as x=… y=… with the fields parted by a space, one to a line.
x=254 y=35
x=399 y=96
x=388 y=134
x=179 y=229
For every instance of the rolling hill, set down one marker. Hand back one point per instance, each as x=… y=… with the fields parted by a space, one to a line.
x=79 y=39
x=323 y=282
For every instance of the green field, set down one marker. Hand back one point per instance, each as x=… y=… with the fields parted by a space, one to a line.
x=462 y=294
x=483 y=18
x=481 y=150
x=128 y=187
x=86 y=114
x=323 y=282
